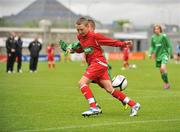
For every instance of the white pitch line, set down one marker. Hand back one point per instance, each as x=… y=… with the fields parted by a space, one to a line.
x=97 y=125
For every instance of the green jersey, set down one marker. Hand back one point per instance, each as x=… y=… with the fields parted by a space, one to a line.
x=161 y=46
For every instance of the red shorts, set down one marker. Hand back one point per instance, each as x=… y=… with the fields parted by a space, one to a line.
x=50 y=58
x=97 y=72
x=125 y=58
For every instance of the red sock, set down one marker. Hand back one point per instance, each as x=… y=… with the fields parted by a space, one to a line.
x=131 y=103
x=86 y=91
x=123 y=98
x=118 y=95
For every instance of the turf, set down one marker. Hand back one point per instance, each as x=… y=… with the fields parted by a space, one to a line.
x=50 y=100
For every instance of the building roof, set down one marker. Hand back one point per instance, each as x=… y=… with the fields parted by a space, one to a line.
x=134 y=35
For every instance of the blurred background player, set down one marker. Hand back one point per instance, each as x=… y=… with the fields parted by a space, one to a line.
x=125 y=51
x=11 y=49
x=34 y=49
x=161 y=50
x=19 y=44
x=50 y=52
x=178 y=53
x=97 y=67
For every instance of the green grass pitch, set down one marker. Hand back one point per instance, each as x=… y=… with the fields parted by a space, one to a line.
x=50 y=100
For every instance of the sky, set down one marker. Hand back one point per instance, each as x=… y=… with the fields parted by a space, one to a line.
x=139 y=12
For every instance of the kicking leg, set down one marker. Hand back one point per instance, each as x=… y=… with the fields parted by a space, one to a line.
x=121 y=97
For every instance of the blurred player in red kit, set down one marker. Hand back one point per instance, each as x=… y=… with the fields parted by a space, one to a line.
x=125 y=51
x=50 y=52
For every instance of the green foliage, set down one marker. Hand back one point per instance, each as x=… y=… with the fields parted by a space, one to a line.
x=4 y=23
x=120 y=23
x=35 y=23
x=63 y=24
x=31 y=24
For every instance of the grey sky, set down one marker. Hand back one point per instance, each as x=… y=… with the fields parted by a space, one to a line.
x=140 y=12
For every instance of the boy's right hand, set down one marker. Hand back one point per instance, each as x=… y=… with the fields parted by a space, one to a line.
x=129 y=43
x=69 y=50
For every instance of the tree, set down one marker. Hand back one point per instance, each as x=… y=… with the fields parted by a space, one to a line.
x=120 y=23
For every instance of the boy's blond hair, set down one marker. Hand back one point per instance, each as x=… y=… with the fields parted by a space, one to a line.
x=92 y=23
x=82 y=20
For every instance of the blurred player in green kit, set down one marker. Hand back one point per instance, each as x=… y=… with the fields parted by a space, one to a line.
x=161 y=50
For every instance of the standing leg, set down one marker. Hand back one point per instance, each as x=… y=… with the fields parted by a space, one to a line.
x=53 y=64
x=164 y=76
x=8 y=63
x=49 y=64
x=12 y=60
x=35 y=63
x=86 y=91
x=31 y=64
x=19 y=62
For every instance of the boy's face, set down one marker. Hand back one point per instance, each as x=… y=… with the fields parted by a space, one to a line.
x=82 y=29
x=157 y=30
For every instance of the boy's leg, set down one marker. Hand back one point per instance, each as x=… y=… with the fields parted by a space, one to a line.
x=116 y=93
x=121 y=96
x=101 y=85
x=49 y=63
x=164 y=76
x=53 y=64
x=163 y=71
x=86 y=91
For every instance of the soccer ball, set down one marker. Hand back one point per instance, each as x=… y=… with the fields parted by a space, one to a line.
x=133 y=65
x=120 y=82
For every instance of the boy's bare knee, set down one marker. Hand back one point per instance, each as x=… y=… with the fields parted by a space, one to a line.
x=81 y=83
x=109 y=89
x=162 y=70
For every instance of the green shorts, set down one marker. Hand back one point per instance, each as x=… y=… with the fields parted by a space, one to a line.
x=163 y=60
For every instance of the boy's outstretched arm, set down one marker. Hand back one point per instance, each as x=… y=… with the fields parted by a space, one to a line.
x=105 y=41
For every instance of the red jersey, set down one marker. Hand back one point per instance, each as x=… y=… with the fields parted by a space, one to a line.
x=91 y=44
x=126 y=51
x=50 y=50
